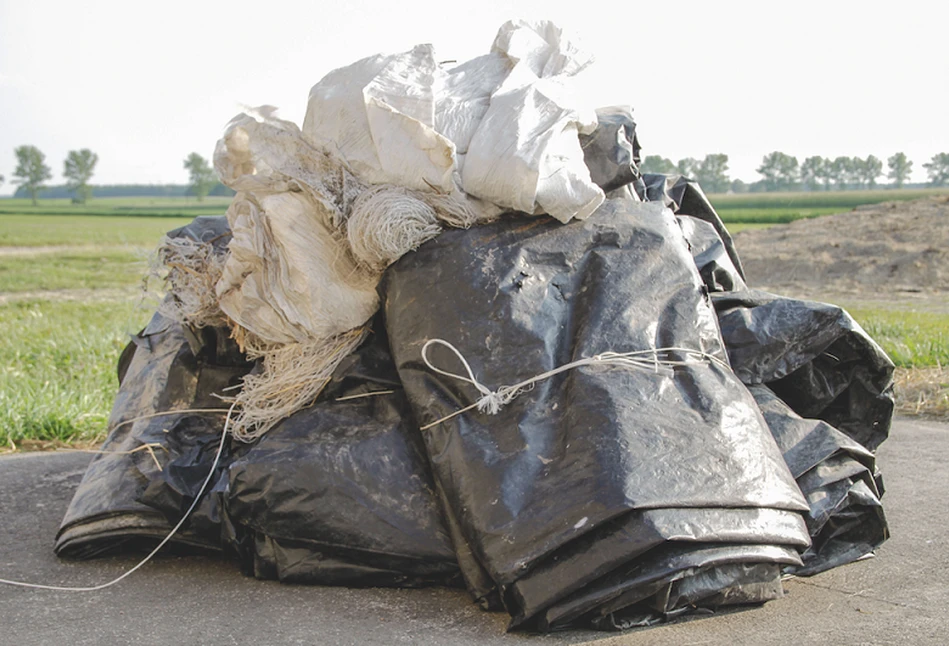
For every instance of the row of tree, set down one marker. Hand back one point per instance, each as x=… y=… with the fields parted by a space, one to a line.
x=783 y=172
x=779 y=172
x=79 y=166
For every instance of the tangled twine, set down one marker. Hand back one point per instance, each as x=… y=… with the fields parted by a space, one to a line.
x=291 y=377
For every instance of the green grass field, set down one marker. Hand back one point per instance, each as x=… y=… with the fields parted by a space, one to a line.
x=58 y=363
x=31 y=230
x=780 y=208
x=912 y=339
x=66 y=314
x=98 y=268
x=119 y=206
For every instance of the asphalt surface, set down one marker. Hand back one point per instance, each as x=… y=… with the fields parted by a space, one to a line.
x=900 y=596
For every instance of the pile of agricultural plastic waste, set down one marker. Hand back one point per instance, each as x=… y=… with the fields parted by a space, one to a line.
x=587 y=419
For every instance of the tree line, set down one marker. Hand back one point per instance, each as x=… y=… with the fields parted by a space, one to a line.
x=782 y=172
x=32 y=172
x=779 y=172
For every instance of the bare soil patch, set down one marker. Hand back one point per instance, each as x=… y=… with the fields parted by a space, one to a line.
x=893 y=255
x=894 y=250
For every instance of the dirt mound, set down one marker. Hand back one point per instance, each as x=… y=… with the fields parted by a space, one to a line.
x=882 y=249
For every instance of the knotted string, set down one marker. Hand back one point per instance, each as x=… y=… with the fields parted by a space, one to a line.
x=491 y=401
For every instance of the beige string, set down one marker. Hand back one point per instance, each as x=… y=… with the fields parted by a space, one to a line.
x=491 y=401
x=174 y=412
x=374 y=393
x=149 y=446
x=197 y=498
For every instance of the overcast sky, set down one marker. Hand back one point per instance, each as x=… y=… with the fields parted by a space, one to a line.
x=145 y=83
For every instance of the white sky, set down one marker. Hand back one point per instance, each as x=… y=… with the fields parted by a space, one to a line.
x=143 y=84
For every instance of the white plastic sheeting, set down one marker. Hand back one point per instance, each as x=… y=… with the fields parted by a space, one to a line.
x=502 y=127
x=288 y=278
x=392 y=147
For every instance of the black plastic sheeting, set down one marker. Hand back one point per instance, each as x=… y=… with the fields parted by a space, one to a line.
x=605 y=496
x=582 y=453
x=684 y=196
x=339 y=493
x=814 y=356
x=837 y=476
x=133 y=495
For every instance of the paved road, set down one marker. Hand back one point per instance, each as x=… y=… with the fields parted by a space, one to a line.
x=899 y=597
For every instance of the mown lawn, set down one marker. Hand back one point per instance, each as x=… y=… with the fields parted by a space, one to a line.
x=58 y=367
x=32 y=230
x=97 y=268
x=912 y=339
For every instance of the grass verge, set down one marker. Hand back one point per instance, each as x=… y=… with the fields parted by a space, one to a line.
x=106 y=268
x=57 y=368
x=912 y=339
x=32 y=230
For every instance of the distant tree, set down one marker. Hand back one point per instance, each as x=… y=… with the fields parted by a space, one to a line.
x=812 y=172
x=78 y=169
x=657 y=164
x=900 y=169
x=201 y=174
x=712 y=173
x=841 y=170
x=31 y=170
x=738 y=186
x=855 y=173
x=938 y=169
x=2 y=180
x=688 y=167
x=870 y=168
x=855 y=179
x=780 y=171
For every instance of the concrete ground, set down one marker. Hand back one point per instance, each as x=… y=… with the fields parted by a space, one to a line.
x=899 y=597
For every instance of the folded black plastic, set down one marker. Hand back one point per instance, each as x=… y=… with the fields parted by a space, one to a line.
x=153 y=464
x=710 y=254
x=814 y=356
x=685 y=197
x=836 y=475
x=339 y=493
x=581 y=477
x=611 y=152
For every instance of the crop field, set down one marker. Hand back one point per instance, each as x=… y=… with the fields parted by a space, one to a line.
x=780 y=208
x=71 y=294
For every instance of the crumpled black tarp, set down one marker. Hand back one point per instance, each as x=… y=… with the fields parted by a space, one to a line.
x=710 y=254
x=126 y=494
x=836 y=475
x=339 y=493
x=578 y=481
x=606 y=496
x=814 y=356
x=611 y=152
x=685 y=197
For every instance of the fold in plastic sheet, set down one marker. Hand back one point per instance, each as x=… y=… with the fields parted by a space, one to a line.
x=685 y=197
x=611 y=152
x=837 y=476
x=591 y=448
x=503 y=127
x=129 y=493
x=710 y=255
x=339 y=493
x=814 y=356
